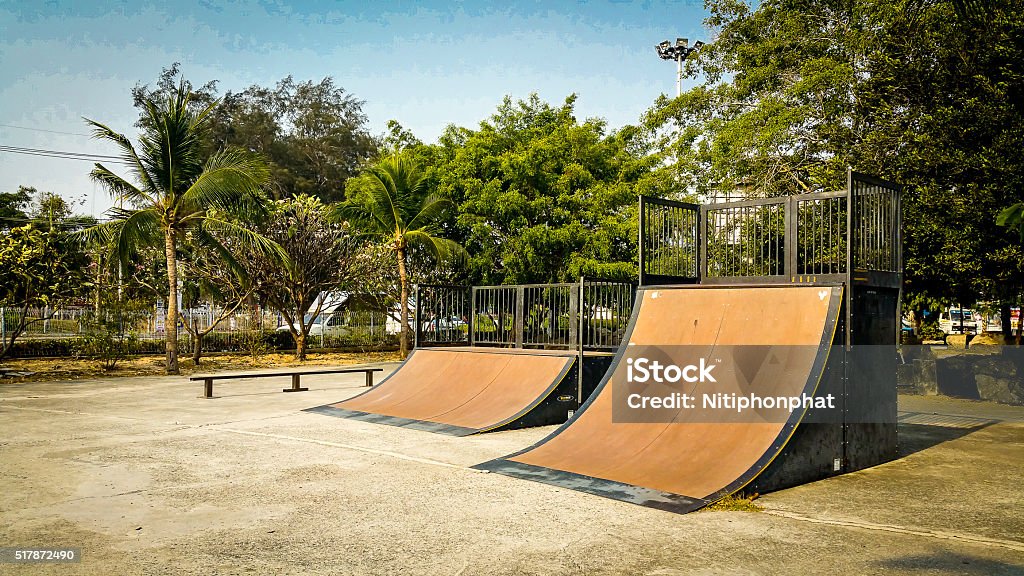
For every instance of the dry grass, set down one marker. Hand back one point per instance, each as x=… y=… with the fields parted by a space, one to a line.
x=77 y=369
x=736 y=503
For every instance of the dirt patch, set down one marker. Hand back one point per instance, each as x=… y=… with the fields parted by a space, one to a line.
x=76 y=369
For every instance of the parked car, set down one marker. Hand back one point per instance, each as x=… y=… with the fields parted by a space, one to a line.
x=444 y=323
x=329 y=324
x=958 y=321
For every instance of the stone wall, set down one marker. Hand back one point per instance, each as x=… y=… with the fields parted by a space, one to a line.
x=981 y=372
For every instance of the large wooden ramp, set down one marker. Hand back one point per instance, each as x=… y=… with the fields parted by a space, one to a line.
x=693 y=458
x=462 y=391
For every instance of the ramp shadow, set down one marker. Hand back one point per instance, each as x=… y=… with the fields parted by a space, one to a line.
x=915 y=437
x=950 y=563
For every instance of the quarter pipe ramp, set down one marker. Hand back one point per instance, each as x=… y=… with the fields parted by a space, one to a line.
x=462 y=391
x=777 y=341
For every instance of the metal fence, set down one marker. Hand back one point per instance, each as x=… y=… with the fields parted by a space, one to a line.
x=442 y=313
x=877 y=237
x=607 y=307
x=591 y=314
x=669 y=240
x=495 y=316
x=64 y=332
x=806 y=238
x=821 y=233
x=744 y=239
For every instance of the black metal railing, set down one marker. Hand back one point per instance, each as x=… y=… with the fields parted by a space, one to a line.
x=441 y=315
x=549 y=318
x=588 y=315
x=606 y=309
x=805 y=238
x=744 y=239
x=495 y=315
x=669 y=241
x=876 y=231
x=821 y=233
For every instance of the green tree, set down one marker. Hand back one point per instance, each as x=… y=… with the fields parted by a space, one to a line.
x=212 y=288
x=46 y=209
x=38 y=269
x=543 y=197
x=14 y=207
x=321 y=260
x=176 y=190
x=922 y=93
x=397 y=208
x=313 y=134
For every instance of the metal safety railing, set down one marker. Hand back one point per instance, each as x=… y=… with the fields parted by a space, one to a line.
x=824 y=236
x=589 y=314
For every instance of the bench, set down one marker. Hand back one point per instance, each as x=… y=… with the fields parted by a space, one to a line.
x=209 y=378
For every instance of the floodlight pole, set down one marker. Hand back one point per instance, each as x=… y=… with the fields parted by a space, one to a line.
x=678 y=52
x=679 y=75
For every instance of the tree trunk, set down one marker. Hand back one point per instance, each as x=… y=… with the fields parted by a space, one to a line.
x=197 y=350
x=171 y=322
x=300 y=346
x=403 y=280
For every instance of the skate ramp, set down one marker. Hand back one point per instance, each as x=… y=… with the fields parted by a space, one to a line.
x=693 y=459
x=462 y=391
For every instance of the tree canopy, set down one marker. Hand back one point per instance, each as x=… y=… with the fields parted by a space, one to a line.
x=925 y=94
x=38 y=268
x=543 y=197
x=312 y=134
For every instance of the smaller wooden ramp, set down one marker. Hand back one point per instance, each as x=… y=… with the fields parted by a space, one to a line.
x=462 y=391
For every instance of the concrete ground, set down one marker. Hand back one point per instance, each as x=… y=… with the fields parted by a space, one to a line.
x=146 y=478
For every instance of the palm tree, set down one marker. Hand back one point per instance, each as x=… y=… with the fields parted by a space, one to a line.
x=399 y=211
x=178 y=191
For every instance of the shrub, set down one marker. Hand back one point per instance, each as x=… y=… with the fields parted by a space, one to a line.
x=108 y=336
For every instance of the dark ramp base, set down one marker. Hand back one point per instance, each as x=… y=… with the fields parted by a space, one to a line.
x=393 y=421
x=597 y=486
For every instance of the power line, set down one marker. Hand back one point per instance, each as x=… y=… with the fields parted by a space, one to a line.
x=46 y=151
x=61 y=154
x=68 y=223
x=42 y=130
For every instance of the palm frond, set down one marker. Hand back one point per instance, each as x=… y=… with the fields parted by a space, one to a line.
x=100 y=234
x=138 y=228
x=204 y=238
x=441 y=248
x=128 y=230
x=171 y=145
x=433 y=209
x=1012 y=217
x=128 y=153
x=231 y=180
x=383 y=207
x=118 y=187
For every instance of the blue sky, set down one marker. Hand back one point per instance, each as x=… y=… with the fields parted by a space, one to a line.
x=425 y=64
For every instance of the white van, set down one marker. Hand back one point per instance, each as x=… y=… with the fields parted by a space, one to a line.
x=950 y=321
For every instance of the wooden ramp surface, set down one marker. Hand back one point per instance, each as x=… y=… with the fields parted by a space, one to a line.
x=460 y=391
x=692 y=459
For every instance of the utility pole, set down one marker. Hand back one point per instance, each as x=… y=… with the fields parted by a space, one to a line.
x=679 y=52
